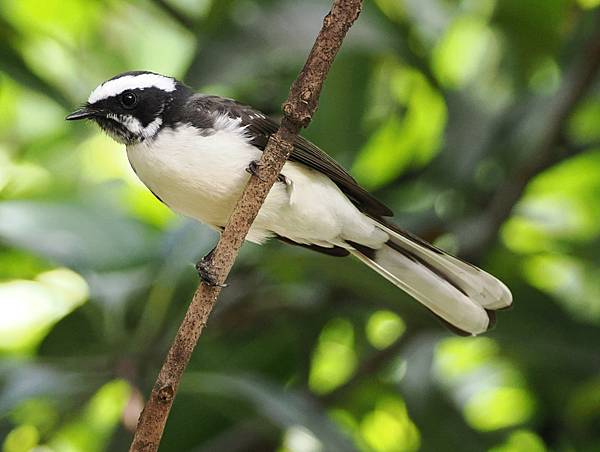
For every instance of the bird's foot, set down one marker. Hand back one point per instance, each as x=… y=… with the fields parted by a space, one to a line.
x=203 y=267
x=254 y=169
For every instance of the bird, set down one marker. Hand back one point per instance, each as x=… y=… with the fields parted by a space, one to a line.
x=195 y=152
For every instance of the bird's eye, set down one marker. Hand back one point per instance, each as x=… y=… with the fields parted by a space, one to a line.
x=128 y=99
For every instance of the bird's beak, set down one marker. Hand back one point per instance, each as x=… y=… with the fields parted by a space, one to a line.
x=82 y=113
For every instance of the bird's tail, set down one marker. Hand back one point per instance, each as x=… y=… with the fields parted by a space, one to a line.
x=459 y=293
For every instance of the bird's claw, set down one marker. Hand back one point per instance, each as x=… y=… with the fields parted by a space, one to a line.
x=254 y=168
x=205 y=272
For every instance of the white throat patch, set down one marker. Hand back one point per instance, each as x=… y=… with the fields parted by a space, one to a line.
x=135 y=126
x=127 y=82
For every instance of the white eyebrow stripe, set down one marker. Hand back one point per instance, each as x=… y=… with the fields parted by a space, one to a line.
x=141 y=81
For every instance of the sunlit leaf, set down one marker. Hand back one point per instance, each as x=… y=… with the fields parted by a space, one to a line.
x=65 y=73
x=20 y=179
x=30 y=308
x=561 y=204
x=588 y=4
x=24 y=438
x=401 y=141
x=488 y=387
x=457 y=357
x=384 y=328
x=499 y=408
x=37 y=116
x=389 y=429
x=573 y=283
x=460 y=55
x=63 y=18
x=91 y=431
x=521 y=441
x=334 y=359
x=572 y=176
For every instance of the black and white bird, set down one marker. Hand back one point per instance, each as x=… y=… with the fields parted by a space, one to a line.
x=193 y=151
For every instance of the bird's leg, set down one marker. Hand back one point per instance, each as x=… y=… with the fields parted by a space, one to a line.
x=254 y=169
x=205 y=272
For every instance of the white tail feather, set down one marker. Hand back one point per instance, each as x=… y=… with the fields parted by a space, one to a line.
x=459 y=293
x=437 y=295
x=483 y=288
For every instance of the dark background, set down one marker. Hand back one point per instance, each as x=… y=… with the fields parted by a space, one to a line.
x=477 y=121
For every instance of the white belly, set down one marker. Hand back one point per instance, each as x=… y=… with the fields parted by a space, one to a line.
x=202 y=177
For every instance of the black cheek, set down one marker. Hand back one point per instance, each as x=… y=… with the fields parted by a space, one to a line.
x=148 y=110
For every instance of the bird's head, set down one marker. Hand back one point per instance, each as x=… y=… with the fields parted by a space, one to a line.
x=132 y=107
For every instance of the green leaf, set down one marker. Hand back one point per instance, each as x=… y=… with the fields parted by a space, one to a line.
x=82 y=237
x=30 y=308
x=287 y=409
x=12 y=63
x=401 y=141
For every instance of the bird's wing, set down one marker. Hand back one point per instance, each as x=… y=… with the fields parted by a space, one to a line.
x=260 y=127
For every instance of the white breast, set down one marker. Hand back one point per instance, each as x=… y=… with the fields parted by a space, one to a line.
x=202 y=177
x=197 y=176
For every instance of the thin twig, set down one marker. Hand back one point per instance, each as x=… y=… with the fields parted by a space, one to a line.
x=298 y=110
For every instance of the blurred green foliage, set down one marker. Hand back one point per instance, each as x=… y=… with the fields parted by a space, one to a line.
x=441 y=107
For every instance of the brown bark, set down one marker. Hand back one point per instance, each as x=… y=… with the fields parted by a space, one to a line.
x=298 y=110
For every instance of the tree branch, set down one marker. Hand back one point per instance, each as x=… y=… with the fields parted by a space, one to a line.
x=298 y=110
